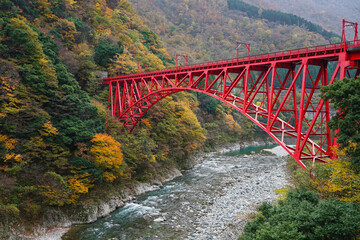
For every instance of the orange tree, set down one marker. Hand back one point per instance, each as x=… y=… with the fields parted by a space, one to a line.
x=107 y=156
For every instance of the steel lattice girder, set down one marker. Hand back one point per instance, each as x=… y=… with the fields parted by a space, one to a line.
x=263 y=88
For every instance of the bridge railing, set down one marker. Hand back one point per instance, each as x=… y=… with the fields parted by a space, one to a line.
x=246 y=59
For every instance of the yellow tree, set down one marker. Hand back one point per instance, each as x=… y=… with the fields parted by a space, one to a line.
x=9 y=104
x=8 y=158
x=68 y=31
x=37 y=54
x=338 y=179
x=153 y=62
x=71 y=3
x=107 y=156
x=124 y=64
x=40 y=150
x=44 y=8
x=189 y=126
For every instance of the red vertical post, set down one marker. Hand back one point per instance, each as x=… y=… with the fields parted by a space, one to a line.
x=343 y=64
x=119 y=96
x=270 y=97
x=247 y=45
x=127 y=97
x=246 y=85
x=186 y=57
x=206 y=80
x=294 y=98
x=327 y=112
x=225 y=79
x=301 y=113
x=124 y=98
x=354 y=25
x=111 y=98
x=132 y=94
x=237 y=52
x=176 y=79
x=356 y=33
x=116 y=103
x=191 y=79
x=343 y=38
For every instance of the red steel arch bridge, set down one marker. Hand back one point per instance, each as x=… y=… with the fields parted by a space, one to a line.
x=278 y=91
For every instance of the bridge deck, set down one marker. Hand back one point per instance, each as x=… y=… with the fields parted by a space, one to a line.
x=329 y=52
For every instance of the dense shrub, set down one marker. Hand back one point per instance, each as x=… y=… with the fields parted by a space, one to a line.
x=303 y=215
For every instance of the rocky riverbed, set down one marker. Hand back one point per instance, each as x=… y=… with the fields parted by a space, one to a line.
x=210 y=201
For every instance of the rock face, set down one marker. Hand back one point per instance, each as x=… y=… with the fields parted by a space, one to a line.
x=56 y=222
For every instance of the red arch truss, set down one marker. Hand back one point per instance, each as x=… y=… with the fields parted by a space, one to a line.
x=265 y=88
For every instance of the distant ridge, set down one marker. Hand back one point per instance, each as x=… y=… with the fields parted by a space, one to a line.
x=277 y=16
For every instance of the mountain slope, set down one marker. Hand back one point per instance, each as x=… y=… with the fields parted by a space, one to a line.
x=59 y=146
x=54 y=151
x=327 y=13
x=207 y=30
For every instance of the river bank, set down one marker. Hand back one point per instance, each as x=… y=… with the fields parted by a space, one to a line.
x=210 y=201
x=56 y=223
x=256 y=184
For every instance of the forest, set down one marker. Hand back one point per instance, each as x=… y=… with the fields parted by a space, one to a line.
x=58 y=143
x=60 y=147
x=208 y=30
x=277 y=16
x=327 y=14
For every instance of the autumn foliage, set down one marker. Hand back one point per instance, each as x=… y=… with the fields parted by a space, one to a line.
x=330 y=210
x=337 y=179
x=53 y=147
x=107 y=156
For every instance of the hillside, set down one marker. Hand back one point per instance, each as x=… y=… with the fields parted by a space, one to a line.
x=53 y=146
x=328 y=14
x=279 y=17
x=59 y=147
x=208 y=30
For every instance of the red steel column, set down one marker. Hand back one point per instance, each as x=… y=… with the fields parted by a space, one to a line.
x=301 y=113
x=270 y=98
x=111 y=98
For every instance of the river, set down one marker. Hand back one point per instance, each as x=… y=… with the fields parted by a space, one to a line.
x=210 y=201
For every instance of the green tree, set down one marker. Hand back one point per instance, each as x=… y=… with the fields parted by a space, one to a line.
x=106 y=51
x=73 y=115
x=345 y=95
x=303 y=215
x=67 y=31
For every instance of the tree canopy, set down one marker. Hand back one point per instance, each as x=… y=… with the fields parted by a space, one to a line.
x=277 y=16
x=345 y=95
x=302 y=215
